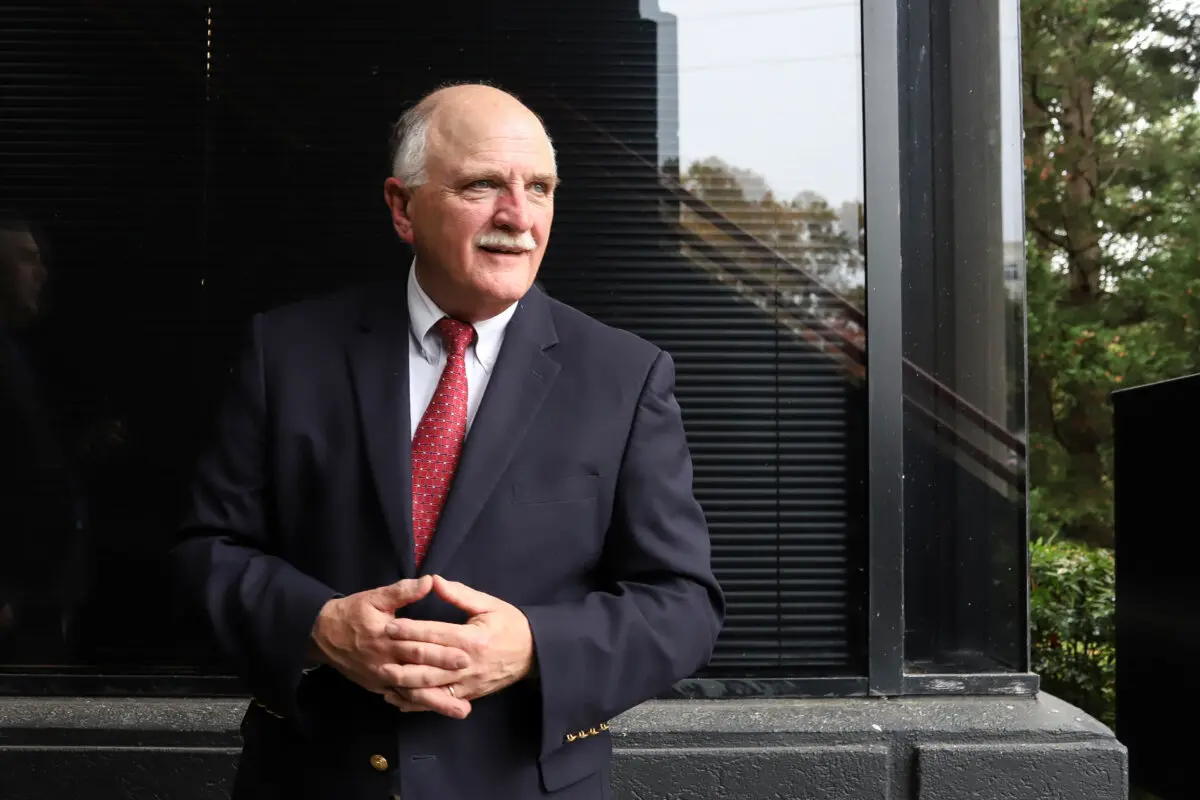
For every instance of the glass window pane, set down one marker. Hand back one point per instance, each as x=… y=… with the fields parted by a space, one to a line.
x=103 y=378
x=189 y=164
x=964 y=379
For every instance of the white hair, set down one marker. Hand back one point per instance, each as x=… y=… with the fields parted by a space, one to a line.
x=410 y=140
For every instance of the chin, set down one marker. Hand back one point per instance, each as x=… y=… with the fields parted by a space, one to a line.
x=509 y=291
x=506 y=281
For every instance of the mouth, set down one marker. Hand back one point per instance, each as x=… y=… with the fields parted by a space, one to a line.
x=503 y=251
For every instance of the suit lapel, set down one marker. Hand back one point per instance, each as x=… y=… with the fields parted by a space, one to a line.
x=378 y=358
x=520 y=381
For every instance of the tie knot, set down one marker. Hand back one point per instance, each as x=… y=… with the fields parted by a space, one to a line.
x=456 y=334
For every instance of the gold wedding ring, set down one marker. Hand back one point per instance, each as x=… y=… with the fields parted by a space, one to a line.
x=450 y=689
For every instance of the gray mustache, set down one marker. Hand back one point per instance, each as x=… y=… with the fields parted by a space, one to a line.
x=522 y=241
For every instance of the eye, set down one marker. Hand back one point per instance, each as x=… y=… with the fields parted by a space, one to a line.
x=482 y=183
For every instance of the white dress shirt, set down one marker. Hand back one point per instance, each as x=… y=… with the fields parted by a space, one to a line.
x=427 y=353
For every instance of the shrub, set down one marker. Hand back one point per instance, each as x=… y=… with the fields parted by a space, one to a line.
x=1072 y=617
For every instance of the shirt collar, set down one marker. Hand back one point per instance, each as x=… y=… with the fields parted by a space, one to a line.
x=423 y=314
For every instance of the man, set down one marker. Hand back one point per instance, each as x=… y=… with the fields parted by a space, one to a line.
x=447 y=528
x=22 y=271
x=38 y=526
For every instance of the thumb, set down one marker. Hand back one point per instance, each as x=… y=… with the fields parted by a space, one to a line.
x=464 y=597
x=402 y=593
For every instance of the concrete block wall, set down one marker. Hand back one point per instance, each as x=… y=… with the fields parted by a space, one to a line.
x=935 y=748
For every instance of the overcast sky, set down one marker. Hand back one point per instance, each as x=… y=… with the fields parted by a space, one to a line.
x=775 y=86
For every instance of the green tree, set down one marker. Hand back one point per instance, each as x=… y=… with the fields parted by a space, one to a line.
x=806 y=230
x=1112 y=157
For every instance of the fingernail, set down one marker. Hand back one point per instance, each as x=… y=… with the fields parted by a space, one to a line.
x=391 y=628
x=460 y=663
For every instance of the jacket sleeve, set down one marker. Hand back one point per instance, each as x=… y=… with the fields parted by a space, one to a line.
x=260 y=608
x=656 y=617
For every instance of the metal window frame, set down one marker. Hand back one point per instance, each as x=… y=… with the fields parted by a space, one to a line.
x=894 y=47
x=881 y=36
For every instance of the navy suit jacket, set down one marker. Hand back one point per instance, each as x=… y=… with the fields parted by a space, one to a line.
x=573 y=501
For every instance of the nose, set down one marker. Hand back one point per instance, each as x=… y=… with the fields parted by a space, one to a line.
x=513 y=212
x=37 y=276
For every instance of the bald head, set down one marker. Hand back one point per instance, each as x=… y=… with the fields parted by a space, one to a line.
x=449 y=119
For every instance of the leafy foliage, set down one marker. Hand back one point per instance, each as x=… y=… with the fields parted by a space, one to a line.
x=1072 y=614
x=1112 y=156
x=805 y=231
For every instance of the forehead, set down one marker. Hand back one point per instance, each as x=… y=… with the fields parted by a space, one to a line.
x=482 y=137
x=18 y=241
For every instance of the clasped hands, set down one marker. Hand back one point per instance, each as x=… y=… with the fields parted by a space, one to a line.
x=420 y=665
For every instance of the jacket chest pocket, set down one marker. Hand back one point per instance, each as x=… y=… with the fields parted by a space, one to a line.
x=558 y=490
x=557 y=524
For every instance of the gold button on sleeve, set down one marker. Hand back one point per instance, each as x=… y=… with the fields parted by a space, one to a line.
x=379 y=763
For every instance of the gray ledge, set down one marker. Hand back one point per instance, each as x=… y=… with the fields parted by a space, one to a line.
x=920 y=748
x=745 y=723
x=750 y=722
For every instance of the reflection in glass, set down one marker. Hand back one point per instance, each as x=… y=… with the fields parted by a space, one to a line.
x=763 y=210
x=195 y=163
x=37 y=504
x=964 y=380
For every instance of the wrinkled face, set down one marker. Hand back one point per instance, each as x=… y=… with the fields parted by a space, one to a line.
x=481 y=221
x=22 y=276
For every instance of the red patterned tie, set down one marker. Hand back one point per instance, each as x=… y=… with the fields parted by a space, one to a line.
x=438 y=441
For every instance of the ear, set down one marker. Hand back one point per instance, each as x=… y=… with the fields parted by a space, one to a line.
x=397 y=196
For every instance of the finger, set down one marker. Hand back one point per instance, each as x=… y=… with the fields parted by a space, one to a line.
x=438 y=700
x=402 y=593
x=429 y=655
x=394 y=698
x=462 y=637
x=416 y=676
x=459 y=594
